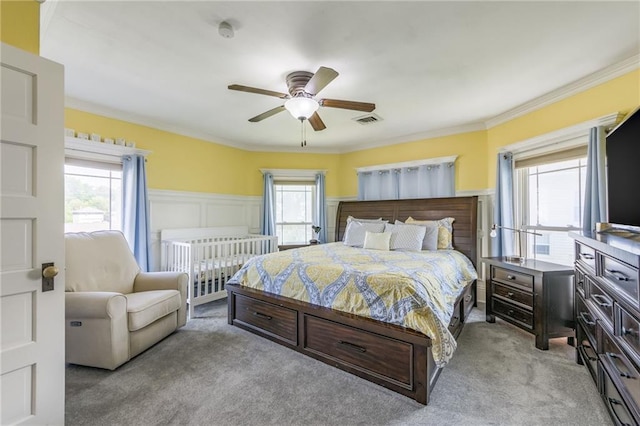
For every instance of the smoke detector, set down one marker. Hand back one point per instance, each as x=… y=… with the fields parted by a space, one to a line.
x=225 y=29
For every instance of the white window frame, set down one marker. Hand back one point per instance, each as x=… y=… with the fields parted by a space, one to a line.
x=557 y=141
x=312 y=184
x=98 y=152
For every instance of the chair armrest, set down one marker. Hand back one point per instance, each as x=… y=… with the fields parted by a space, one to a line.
x=147 y=281
x=94 y=304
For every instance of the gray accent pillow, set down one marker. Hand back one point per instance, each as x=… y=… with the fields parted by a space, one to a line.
x=405 y=237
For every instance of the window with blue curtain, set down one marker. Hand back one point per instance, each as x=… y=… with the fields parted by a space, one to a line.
x=135 y=209
x=428 y=180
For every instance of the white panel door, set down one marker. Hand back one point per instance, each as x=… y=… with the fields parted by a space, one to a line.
x=31 y=233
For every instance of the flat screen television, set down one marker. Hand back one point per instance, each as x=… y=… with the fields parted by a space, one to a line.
x=623 y=172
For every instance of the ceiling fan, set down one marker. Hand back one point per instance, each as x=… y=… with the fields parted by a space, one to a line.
x=303 y=87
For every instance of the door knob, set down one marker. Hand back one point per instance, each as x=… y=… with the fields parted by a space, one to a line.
x=50 y=271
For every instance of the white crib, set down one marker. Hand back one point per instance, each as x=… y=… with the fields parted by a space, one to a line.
x=210 y=256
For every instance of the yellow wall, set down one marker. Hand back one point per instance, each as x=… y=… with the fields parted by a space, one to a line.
x=621 y=94
x=471 y=172
x=177 y=162
x=281 y=160
x=182 y=163
x=20 y=24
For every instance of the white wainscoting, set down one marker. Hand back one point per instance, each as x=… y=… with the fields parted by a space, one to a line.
x=180 y=209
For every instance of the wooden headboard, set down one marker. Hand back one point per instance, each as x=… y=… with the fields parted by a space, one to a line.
x=463 y=209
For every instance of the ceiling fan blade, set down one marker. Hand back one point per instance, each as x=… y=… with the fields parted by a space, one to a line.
x=258 y=91
x=320 y=79
x=316 y=122
x=267 y=114
x=358 y=106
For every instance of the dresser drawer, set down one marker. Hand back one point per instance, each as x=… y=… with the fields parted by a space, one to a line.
x=374 y=354
x=623 y=371
x=580 y=282
x=586 y=256
x=271 y=319
x=522 y=298
x=614 y=402
x=587 y=352
x=621 y=276
x=507 y=276
x=602 y=302
x=586 y=319
x=629 y=328
x=510 y=312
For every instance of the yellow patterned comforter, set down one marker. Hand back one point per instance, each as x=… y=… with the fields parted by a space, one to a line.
x=416 y=290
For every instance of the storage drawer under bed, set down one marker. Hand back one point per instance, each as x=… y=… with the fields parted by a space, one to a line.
x=276 y=321
x=371 y=353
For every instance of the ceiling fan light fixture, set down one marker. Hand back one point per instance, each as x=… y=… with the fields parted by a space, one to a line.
x=301 y=107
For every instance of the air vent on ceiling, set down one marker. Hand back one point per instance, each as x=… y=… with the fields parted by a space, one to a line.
x=368 y=119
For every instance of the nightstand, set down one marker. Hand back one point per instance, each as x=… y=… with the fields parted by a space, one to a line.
x=533 y=295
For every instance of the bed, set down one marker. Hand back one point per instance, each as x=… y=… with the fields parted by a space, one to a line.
x=210 y=256
x=394 y=356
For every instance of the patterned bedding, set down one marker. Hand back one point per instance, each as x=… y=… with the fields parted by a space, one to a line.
x=416 y=290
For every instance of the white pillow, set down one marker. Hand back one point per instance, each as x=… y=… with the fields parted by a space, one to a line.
x=356 y=231
x=406 y=237
x=430 y=240
x=377 y=241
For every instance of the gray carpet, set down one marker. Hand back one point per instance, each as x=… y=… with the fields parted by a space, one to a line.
x=209 y=373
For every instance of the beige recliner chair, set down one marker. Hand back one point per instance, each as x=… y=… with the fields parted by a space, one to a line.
x=113 y=311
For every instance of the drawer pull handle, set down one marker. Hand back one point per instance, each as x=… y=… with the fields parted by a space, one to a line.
x=613 y=356
x=629 y=331
x=590 y=358
x=510 y=312
x=352 y=346
x=510 y=295
x=584 y=316
x=612 y=402
x=601 y=300
x=511 y=277
x=263 y=316
x=468 y=298
x=586 y=256
x=618 y=275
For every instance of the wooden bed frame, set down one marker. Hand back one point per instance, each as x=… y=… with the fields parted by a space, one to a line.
x=395 y=357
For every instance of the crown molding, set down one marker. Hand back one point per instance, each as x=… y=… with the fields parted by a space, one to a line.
x=592 y=80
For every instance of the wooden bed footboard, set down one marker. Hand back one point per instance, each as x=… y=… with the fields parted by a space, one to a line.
x=395 y=357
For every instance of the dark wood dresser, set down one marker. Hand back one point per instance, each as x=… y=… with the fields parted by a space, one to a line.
x=534 y=295
x=607 y=309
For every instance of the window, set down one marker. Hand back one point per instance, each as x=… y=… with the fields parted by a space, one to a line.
x=550 y=197
x=93 y=196
x=294 y=211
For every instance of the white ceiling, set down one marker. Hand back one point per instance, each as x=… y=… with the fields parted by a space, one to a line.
x=427 y=66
